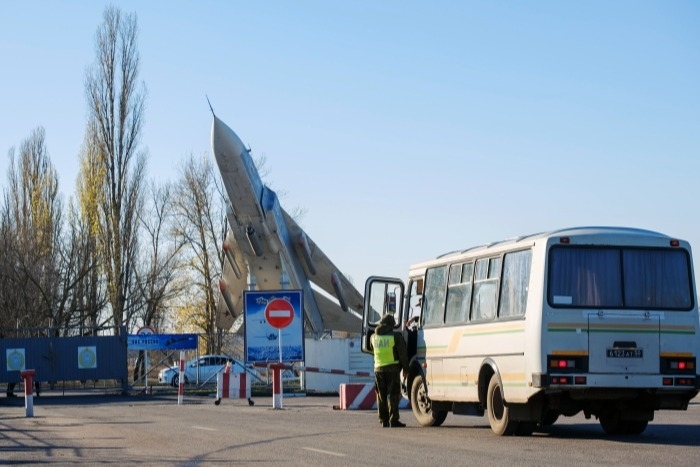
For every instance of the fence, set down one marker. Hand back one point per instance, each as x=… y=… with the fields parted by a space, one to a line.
x=61 y=359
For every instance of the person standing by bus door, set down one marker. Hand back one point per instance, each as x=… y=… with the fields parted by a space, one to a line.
x=390 y=359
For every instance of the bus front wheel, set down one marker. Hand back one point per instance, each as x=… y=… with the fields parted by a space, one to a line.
x=499 y=415
x=422 y=406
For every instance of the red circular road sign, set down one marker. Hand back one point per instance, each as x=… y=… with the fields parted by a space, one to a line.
x=279 y=313
x=145 y=331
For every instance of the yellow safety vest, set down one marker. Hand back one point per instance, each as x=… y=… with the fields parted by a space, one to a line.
x=383 y=350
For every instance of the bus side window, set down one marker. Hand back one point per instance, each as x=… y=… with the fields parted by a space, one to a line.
x=485 y=288
x=435 y=294
x=459 y=293
x=415 y=303
x=415 y=300
x=516 y=277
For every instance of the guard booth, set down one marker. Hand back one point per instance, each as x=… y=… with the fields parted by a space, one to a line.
x=56 y=359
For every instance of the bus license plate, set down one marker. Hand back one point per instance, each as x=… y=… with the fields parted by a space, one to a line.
x=625 y=353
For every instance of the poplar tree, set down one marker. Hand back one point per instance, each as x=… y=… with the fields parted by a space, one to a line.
x=116 y=101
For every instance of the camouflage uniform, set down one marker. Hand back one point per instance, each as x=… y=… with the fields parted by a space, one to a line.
x=387 y=371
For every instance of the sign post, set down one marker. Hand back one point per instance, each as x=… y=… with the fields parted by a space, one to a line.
x=279 y=314
x=145 y=331
x=27 y=375
x=181 y=379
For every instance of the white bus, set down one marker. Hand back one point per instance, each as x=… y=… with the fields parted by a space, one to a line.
x=602 y=320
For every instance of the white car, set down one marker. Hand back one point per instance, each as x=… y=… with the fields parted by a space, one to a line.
x=198 y=370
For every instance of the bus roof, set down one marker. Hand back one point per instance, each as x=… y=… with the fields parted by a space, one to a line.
x=565 y=232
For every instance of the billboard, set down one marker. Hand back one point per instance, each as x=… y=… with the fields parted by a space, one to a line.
x=274 y=326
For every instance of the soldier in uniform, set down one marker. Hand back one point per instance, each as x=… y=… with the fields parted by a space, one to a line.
x=390 y=358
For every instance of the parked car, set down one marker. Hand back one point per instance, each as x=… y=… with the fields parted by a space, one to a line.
x=202 y=370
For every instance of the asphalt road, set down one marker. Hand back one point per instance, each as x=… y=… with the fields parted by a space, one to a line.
x=88 y=429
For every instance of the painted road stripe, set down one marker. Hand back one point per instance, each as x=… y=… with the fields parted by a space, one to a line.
x=330 y=453
x=203 y=428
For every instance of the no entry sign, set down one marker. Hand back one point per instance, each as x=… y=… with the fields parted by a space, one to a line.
x=271 y=317
x=279 y=313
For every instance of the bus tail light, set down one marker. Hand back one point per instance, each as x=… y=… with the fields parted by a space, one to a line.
x=561 y=379
x=678 y=365
x=684 y=382
x=557 y=379
x=567 y=364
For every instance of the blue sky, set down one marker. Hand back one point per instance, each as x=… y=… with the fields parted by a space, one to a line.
x=405 y=129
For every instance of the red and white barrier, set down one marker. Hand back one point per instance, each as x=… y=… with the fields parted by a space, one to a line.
x=358 y=396
x=232 y=385
x=353 y=396
x=312 y=369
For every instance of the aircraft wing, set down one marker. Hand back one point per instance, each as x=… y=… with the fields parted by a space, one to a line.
x=234 y=280
x=320 y=270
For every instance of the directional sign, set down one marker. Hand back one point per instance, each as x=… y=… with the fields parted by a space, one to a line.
x=279 y=313
x=161 y=341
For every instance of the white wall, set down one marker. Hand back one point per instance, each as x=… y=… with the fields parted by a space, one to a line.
x=335 y=354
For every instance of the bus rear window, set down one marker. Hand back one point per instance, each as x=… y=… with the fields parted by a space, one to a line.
x=633 y=278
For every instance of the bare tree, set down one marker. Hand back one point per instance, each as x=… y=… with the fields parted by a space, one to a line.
x=201 y=224
x=32 y=224
x=157 y=272
x=7 y=297
x=158 y=269
x=10 y=299
x=116 y=107
x=87 y=298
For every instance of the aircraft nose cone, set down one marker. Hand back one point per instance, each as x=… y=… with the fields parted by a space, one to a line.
x=224 y=141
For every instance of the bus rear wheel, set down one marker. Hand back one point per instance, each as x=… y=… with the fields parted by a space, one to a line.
x=499 y=415
x=549 y=419
x=422 y=406
x=636 y=427
x=613 y=424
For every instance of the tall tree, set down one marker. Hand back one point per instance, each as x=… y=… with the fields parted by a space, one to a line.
x=92 y=298
x=115 y=117
x=201 y=223
x=32 y=230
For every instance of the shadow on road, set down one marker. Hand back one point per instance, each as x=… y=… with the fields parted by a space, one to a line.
x=667 y=435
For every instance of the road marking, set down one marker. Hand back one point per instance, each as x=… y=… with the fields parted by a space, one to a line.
x=203 y=428
x=330 y=453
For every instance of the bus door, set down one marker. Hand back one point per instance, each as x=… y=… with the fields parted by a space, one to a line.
x=383 y=295
x=623 y=342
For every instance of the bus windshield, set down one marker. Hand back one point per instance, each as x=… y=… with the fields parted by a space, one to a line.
x=623 y=278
